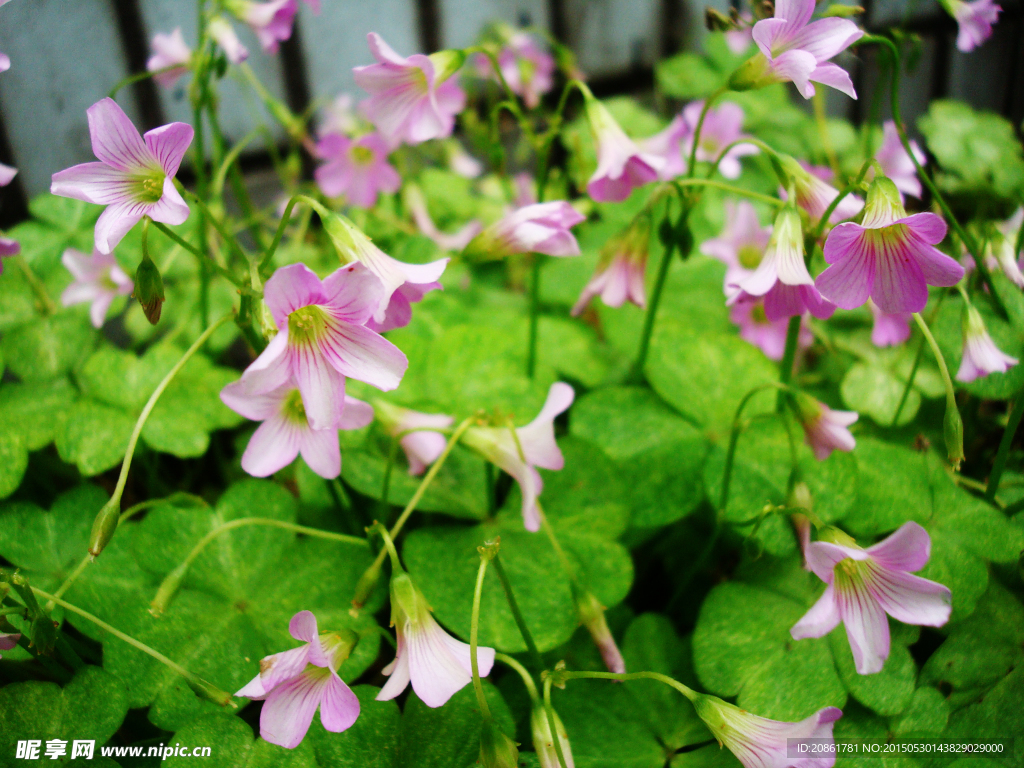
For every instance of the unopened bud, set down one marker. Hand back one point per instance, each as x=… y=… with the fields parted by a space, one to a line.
x=592 y=615
x=953 y=431
x=496 y=749
x=446 y=63
x=544 y=743
x=168 y=589
x=104 y=525
x=210 y=692
x=149 y=290
x=364 y=587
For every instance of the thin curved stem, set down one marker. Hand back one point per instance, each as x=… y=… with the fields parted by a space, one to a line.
x=531 y=686
x=1016 y=411
x=531 y=349
x=692 y=169
x=285 y=218
x=549 y=711
x=910 y=383
x=659 y=287
x=823 y=221
x=788 y=358
x=688 y=692
x=203 y=258
x=474 y=633
x=729 y=188
x=139 y=77
x=734 y=435
x=517 y=614
x=49 y=307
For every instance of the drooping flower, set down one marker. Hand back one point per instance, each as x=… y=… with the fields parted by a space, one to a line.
x=285 y=432
x=723 y=125
x=981 y=355
x=866 y=584
x=223 y=34
x=422 y=445
x=815 y=194
x=621 y=166
x=1003 y=245
x=544 y=740
x=889 y=256
x=974 y=19
x=134 y=176
x=620 y=273
x=404 y=284
x=169 y=51
x=783 y=259
x=591 y=613
x=271 y=20
x=794 y=49
x=759 y=742
x=667 y=145
x=293 y=684
x=9 y=641
x=527 y=68
x=322 y=339
x=538 y=228
x=742 y=243
x=411 y=99
x=520 y=451
x=767 y=335
x=890 y=329
x=825 y=430
x=357 y=169
x=98 y=279
x=437 y=665
x=896 y=163
x=418 y=208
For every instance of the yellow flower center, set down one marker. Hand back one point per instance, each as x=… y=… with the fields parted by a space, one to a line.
x=749 y=256
x=293 y=408
x=362 y=155
x=151 y=188
x=307 y=325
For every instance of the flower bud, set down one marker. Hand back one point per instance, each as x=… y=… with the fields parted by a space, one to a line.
x=496 y=749
x=149 y=290
x=364 y=587
x=168 y=589
x=104 y=525
x=592 y=615
x=842 y=11
x=544 y=744
x=953 y=431
x=210 y=692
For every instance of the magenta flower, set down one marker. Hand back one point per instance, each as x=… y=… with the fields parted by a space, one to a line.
x=293 y=684
x=667 y=145
x=357 y=169
x=437 y=665
x=866 y=584
x=825 y=430
x=411 y=99
x=981 y=355
x=794 y=49
x=975 y=20
x=135 y=175
x=271 y=20
x=527 y=68
x=169 y=51
x=538 y=228
x=620 y=273
x=815 y=194
x=285 y=432
x=404 y=284
x=767 y=335
x=422 y=445
x=889 y=256
x=9 y=641
x=98 y=279
x=742 y=243
x=722 y=126
x=529 y=447
x=759 y=742
x=889 y=329
x=453 y=242
x=322 y=340
x=223 y=34
x=621 y=165
x=896 y=163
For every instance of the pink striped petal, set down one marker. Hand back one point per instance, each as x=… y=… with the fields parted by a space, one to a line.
x=291 y=288
x=398 y=673
x=273 y=446
x=906 y=549
x=322 y=388
x=867 y=627
x=910 y=598
x=115 y=140
x=272 y=369
x=339 y=707
x=321 y=451
x=364 y=355
x=115 y=222
x=93 y=183
x=289 y=708
x=821 y=619
x=170 y=208
x=168 y=144
x=353 y=293
x=836 y=77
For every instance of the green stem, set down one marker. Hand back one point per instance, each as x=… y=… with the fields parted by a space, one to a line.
x=688 y=692
x=382 y=504
x=910 y=383
x=823 y=221
x=652 y=308
x=692 y=168
x=729 y=188
x=138 y=77
x=36 y=285
x=285 y=218
x=203 y=259
x=517 y=614
x=734 y=436
x=788 y=358
x=552 y=726
x=939 y=360
x=531 y=686
x=531 y=350
x=474 y=633
x=1016 y=411
x=225 y=235
x=219 y=176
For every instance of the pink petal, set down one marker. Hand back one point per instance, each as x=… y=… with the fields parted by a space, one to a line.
x=796 y=12
x=98 y=310
x=321 y=451
x=168 y=143
x=824 y=38
x=256 y=406
x=289 y=708
x=836 y=77
x=899 y=281
x=538 y=437
x=821 y=619
x=339 y=707
x=115 y=222
x=94 y=183
x=115 y=140
x=422 y=449
x=822 y=557
x=303 y=626
x=797 y=67
x=364 y=355
x=354 y=293
x=398 y=673
x=936 y=267
x=272 y=369
x=851 y=278
x=7 y=174
x=322 y=388
x=436 y=671
x=291 y=288
x=910 y=598
x=273 y=446
x=928 y=227
x=867 y=628
x=280 y=667
x=356 y=415
x=170 y=208
x=906 y=549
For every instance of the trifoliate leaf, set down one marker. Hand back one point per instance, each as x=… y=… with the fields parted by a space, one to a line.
x=372 y=742
x=47 y=347
x=926 y=714
x=13 y=462
x=36 y=411
x=875 y=391
x=94 y=437
x=892 y=488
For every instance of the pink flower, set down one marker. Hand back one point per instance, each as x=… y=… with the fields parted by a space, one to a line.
x=739 y=40
x=285 y=431
x=668 y=146
x=403 y=283
x=453 y=242
x=1002 y=247
x=526 y=190
x=722 y=126
x=357 y=169
x=620 y=273
x=621 y=165
x=322 y=340
x=422 y=445
x=981 y=355
x=527 y=68
x=889 y=329
x=975 y=20
x=411 y=99
x=759 y=742
x=461 y=162
x=896 y=163
x=169 y=51
x=767 y=335
x=339 y=117
x=436 y=663
x=295 y=683
x=529 y=447
x=825 y=430
x=794 y=50
x=271 y=20
x=8 y=247
x=538 y=228
x=742 y=243
x=9 y=641
x=866 y=584
x=223 y=33
x=783 y=259
x=591 y=613
x=135 y=176
x=889 y=256
x=814 y=193
x=98 y=279
x=7 y=174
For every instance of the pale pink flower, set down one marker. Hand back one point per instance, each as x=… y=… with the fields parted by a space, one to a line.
x=759 y=742
x=722 y=126
x=527 y=68
x=322 y=340
x=293 y=684
x=975 y=20
x=742 y=243
x=896 y=163
x=866 y=584
x=271 y=20
x=285 y=432
x=8 y=246
x=357 y=169
x=339 y=117
x=98 y=279
x=783 y=259
x=621 y=165
x=544 y=741
x=404 y=284
x=7 y=174
x=538 y=228
x=453 y=242
x=169 y=51
x=981 y=355
x=520 y=451
x=767 y=335
x=825 y=430
x=889 y=256
x=795 y=49
x=890 y=329
x=739 y=40
x=667 y=144
x=591 y=613
x=135 y=175
x=224 y=35
x=437 y=665
x=461 y=162
x=815 y=194
x=1002 y=247
x=411 y=99
x=525 y=190
x=421 y=443
x=620 y=273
